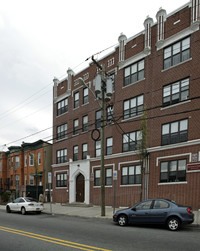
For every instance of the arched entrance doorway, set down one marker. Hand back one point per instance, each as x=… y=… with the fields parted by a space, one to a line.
x=80 y=188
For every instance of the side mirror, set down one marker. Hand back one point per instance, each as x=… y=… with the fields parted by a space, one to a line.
x=134 y=209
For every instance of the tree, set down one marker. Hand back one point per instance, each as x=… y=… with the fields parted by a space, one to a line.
x=142 y=149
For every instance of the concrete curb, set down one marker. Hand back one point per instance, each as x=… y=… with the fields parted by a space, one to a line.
x=90 y=212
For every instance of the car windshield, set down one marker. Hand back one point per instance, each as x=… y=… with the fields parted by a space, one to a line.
x=29 y=199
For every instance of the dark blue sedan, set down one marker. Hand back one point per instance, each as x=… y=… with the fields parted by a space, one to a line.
x=156 y=211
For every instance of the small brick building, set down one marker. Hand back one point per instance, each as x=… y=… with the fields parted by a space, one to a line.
x=22 y=167
x=157 y=69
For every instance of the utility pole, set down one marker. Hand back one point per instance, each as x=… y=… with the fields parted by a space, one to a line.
x=103 y=93
x=103 y=88
x=102 y=142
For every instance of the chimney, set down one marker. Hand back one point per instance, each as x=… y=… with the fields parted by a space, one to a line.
x=70 y=73
x=56 y=82
x=161 y=18
x=122 y=42
x=147 y=25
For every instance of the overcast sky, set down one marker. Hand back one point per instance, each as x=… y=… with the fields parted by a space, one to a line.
x=40 y=39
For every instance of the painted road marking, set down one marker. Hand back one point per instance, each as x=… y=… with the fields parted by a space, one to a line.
x=52 y=240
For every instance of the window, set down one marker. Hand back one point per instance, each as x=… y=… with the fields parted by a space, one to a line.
x=133 y=107
x=16 y=161
x=84 y=151
x=144 y=205
x=75 y=127
x=131 y=175
x=61 y=156
x=31 y=159
x=109 y=145
x=31 y=180
x=62 y=131
x=61 y=180
x=39 y=158
x=108 y=181
x=97 y=148
x=176 y=92
x=17 y=180
x=85 y=95
x=175 y=132
x=86 y=76
x=75 y=154
x=40 y=180
x=110 y=114
x=134 y=73
x=97 y=178
x=98 y=119
x=130 y=141
x=76 y=100
x=110 y=62
x=11 y=161
x=173 y=171
x=177 y=53
x=85 y=123
x=11 y=180
x=113 y=78
x=25 y=178
x=62 y=106
x=159 y=204
x=19 y=200
x=1 y=158
x=26 y=160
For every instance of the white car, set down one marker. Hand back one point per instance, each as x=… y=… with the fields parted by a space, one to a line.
x=24 y=204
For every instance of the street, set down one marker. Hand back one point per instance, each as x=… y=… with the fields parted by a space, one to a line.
x=47 y=232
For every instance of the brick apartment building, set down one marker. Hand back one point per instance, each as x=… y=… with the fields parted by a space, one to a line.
x=21 y=166
x=157 y=69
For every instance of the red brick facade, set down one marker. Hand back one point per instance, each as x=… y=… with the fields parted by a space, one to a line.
x=19 y=164
x=170 y=94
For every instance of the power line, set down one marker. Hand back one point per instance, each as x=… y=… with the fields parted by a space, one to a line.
x=116 y=44
x=19 y=104
x=115 y=123
x=148 y=109
x=169 y=30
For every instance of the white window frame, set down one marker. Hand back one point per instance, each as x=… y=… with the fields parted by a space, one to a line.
x=31 y=180
x=31 y=159
x=39 y=158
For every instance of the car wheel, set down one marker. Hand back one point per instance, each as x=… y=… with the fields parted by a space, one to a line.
x=38 y=212
x=173 y=223
x=122 y=220
x=23 y=210
x=8 y=209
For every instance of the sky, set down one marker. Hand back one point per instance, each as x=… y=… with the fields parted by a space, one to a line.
x=41 y=39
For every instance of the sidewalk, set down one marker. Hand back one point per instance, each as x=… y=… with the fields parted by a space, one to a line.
x=92 y=211
x=82 y=210
x=78 y=210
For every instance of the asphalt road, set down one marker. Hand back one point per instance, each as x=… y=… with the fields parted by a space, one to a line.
x=47 y=232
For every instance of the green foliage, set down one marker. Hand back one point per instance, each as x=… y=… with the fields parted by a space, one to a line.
x=5 y=196
x=36 y=165
x=142 y=145
x=142 y=149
